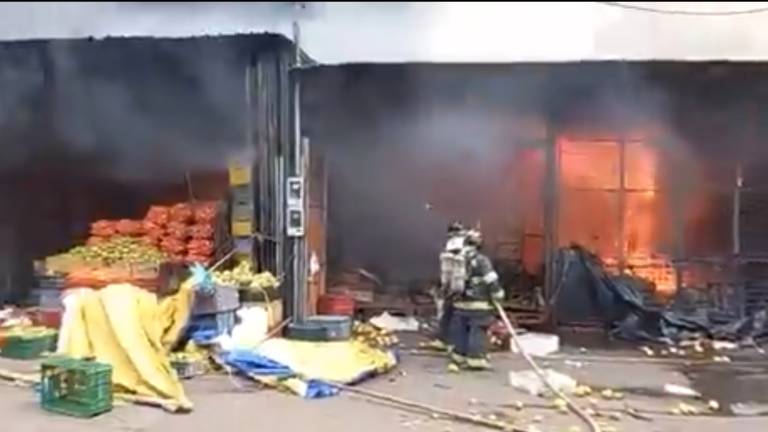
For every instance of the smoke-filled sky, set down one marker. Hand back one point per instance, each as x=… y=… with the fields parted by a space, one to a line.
x=436 y=31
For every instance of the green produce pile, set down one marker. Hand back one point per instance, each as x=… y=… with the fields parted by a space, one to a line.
x=118 y=250
x=244 y=277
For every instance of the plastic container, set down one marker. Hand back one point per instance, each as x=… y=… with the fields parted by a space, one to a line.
x=46 y=317
x=336 y=304
x=187 y=369
x=223 y=299
x=51 y=283
x=28 y=347
x=204 y=328
x=77 y=388
x=322 y=329
x=337 y=327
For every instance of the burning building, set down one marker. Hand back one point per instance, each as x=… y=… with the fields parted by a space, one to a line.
x=655 y=167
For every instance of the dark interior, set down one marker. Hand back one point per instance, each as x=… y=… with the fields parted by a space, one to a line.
x=102 y=128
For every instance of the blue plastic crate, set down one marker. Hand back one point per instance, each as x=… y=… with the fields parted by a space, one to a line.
x=204 y=328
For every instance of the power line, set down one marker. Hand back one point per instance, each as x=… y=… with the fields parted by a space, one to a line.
x=685 y=12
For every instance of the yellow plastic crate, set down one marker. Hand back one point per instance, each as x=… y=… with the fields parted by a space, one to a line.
x=239 y=175
x=243 y=228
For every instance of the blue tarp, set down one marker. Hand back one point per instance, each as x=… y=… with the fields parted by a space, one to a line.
x=249 y=363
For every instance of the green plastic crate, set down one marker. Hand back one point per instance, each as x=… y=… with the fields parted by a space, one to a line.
x=28 y=347
x=77 y=388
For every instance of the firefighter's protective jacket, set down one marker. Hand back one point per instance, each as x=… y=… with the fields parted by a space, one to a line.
x=482 y=284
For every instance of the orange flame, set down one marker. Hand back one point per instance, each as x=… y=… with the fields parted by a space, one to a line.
x=610 y=203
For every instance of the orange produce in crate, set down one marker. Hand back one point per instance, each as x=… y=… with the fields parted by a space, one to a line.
x=103 y=228
x=201 y=231
x=130 y=227
x=158 y=215
x=205 y=212
x=181 y=213
x=173 y=246
x=178 y=230
x=200 y=247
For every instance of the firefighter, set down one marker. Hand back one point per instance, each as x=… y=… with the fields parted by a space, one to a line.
x=452 y=269
x=473 y=308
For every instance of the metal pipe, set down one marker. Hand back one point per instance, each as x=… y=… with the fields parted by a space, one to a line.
x=622 y=203
x=296 y=99
x=737 y=211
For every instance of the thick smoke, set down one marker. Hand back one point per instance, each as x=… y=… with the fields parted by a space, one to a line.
x=414 y=147
x=410 y=151
x=131 y=109
x=148 y=123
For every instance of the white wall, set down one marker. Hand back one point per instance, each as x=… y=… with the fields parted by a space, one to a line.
x=436 y=32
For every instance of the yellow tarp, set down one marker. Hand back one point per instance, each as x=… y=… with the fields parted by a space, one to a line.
x=341 y=362
x=128 y=328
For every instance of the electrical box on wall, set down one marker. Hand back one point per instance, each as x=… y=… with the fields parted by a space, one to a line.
x=295 y=206
x=295 y=225
x=295 y=188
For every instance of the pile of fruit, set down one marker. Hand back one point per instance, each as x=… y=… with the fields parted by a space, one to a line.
x=373 y=336
x=243 y=276
x=115 y=260
x=184 y=232
x=116 y=250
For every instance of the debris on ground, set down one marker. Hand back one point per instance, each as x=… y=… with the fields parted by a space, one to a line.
x=685 y=409
x=574 y=364
x=529 y=382
x=713 y=405
x=678 y=390
x=582 y=391
x=393 y=323
x=749 y=409
x=609 y=394
x=619 y=299
x=561 y=405
x=537 y=344
x=374 y=336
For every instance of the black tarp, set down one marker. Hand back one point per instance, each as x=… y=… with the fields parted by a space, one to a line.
x=586 y=292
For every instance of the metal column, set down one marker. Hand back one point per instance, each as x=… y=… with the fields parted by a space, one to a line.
x=297 y=158
x=551 y=198
x=621 y=258
x=736 y=221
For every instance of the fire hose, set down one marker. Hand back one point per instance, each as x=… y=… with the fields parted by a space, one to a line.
x=593 y=426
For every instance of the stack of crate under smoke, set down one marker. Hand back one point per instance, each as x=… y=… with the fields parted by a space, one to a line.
x=243 y=215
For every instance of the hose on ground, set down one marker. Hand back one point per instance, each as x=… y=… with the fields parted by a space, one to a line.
x=593 y=426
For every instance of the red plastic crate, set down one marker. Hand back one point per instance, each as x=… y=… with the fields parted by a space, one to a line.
x=50 y=318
